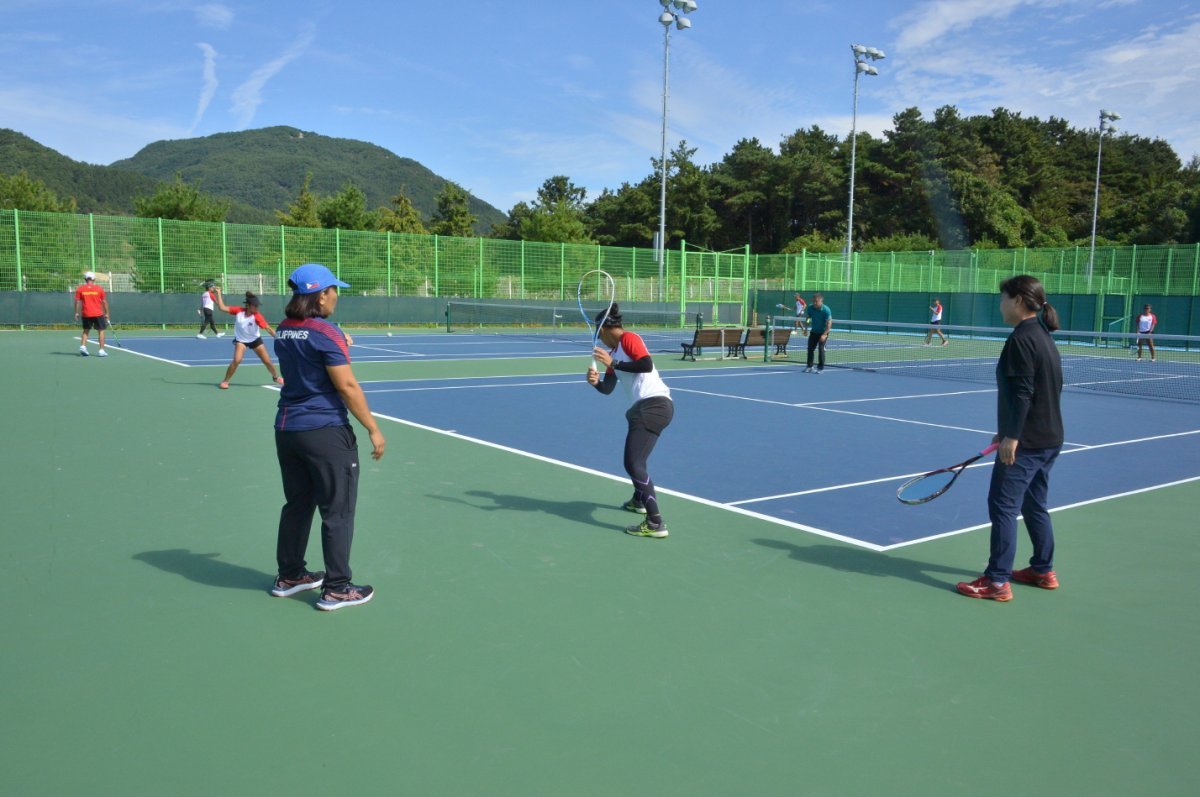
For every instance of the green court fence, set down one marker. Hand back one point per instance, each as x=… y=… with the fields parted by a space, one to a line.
x=47 y=252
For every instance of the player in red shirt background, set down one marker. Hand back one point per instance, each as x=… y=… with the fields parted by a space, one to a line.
x=91 y=306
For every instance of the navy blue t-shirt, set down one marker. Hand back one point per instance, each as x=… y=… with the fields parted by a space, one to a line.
x=308 y=399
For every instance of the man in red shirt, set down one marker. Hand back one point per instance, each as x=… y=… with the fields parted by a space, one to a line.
x=91 y=305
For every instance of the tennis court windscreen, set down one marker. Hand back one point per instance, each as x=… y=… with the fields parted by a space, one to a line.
x=1095 y=361
x=663 y=330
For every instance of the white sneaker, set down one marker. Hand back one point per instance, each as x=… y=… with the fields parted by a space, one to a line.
x=102 y=353
x=83 y=350
x=819 y=371
x=945 y=343
x=220 y=334
x=808 y=370
x=201 y=336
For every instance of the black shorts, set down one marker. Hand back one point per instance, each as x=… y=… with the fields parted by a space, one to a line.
x=98 y=322
x=936 y=323
x=254 y=344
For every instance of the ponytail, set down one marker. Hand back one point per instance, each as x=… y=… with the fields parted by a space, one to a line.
x=1049 y=317
x=1030 y=292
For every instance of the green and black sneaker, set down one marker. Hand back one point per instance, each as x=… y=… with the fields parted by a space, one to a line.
x=633 y=506
x=647 y=529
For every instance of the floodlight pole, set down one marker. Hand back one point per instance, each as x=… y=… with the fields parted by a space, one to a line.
x=861 y=56
x=1106 y=126
x=666 y=19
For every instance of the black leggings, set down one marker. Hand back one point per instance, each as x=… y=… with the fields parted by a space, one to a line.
x=647 y=419
x=207 y=321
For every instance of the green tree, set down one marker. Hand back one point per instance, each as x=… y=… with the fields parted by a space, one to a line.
x=402 y=216
x=557 y=216
x=302 y=212
x=745 y=187
x=510 y=228
x=22 y=192
x=182 y=202
x=453 y=217
x=346 y=210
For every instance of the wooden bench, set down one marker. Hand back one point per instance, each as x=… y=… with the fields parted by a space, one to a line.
x=714 y=337
x=756 y=337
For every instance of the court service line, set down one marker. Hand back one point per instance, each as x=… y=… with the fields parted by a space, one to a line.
x=152 y=357
x=624 y=480
x=1075 y=505
x=839 y=412
x=1080 y=447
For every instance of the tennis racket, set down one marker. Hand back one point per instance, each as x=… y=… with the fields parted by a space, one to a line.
x=929 y=486
x=595 y=295
x=116 y=337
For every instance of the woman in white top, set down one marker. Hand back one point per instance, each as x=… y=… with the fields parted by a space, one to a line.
x=935 y=322
x=247 y=322
x=627 y=360
x=1146 y=323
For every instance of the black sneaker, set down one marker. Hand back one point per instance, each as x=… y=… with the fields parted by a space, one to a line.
x=290 y=586
x=633 y=506
x=347 y=595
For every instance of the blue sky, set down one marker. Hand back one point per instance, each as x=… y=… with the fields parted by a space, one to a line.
x=499 y=96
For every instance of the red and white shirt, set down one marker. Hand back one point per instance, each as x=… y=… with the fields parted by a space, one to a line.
x=1147 y=322
x=630 y=348
x=207 y=300
x=246 y=325
x=801 y=306
x=935 y=312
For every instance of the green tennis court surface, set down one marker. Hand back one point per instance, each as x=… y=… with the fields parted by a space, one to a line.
x=519 y=643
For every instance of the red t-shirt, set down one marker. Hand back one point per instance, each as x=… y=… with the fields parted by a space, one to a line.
x=92 y=297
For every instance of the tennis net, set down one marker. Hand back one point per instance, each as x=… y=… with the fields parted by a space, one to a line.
x=1094 y=361
x=662 y=330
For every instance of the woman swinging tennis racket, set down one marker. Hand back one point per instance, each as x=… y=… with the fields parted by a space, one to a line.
x=627 y=360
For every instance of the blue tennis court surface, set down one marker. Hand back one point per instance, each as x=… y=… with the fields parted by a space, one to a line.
x=822 y=453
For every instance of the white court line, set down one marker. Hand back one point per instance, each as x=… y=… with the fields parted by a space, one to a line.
x=1054 y=509
x=624 y=479
x=839 y=412
x=1080 y=447
x=736 y=509
x=389 y=351
x=151 y=357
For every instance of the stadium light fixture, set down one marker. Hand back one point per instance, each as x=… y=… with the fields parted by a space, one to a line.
x=673 y=14
x=863 y=55
x=1106 y=126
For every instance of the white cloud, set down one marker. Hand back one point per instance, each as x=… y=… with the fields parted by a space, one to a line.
x=212 y=15
x=210 y=84
x=248 y=96
x=934 y=20
x=1149 y=75
x=56 y=120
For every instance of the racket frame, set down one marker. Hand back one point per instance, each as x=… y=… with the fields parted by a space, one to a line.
x=955 y=469
x=589 y=319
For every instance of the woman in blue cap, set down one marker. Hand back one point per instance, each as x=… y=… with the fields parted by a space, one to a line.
x=317 y=449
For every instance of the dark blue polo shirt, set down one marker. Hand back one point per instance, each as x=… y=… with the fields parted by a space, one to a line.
x=308 y=399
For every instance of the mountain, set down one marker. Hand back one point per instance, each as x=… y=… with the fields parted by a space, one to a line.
x=259 y=171
x=265 y=168
x=97 y=189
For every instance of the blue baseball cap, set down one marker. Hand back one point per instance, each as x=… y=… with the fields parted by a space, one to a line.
x=314 y=278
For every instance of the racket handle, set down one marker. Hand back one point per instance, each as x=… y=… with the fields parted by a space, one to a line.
x=595 y=366
x=989 y=449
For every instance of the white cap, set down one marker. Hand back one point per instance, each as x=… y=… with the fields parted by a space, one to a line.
x=88 y=275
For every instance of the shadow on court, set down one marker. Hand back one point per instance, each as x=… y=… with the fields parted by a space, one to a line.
x=858 y=560
x=573 y=511
x=205 y=568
